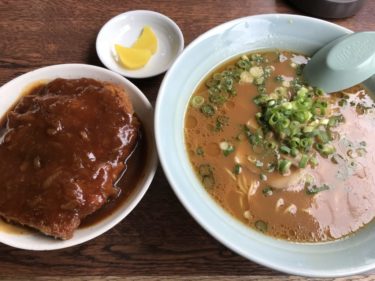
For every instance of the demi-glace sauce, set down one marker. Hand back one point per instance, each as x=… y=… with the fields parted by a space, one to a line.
x=128 y=181
x=278 y=205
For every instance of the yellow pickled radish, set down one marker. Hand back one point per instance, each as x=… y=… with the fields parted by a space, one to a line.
x=147 y=40
x=132 y=58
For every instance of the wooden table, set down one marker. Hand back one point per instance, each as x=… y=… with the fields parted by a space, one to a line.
x=159 y=239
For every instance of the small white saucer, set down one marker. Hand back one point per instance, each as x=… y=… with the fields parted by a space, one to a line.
x=125 y=28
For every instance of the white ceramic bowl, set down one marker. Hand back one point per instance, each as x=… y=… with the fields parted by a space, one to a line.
x=125 y=28
x=9 y=94
x=297 y=33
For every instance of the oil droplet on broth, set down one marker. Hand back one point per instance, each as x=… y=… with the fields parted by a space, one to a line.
x=213 y=149
x=229 y=104
x=191 y=122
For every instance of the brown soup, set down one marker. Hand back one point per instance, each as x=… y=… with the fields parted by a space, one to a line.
x=282 y=157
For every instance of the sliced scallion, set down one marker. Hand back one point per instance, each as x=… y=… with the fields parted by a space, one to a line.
x=207 y=110
x=284 y=149
x=261 y=226
x=284 y=166
x=199 y=151
x=237 y=169
x=303 y=161
x=314 y=189
x=267 y=191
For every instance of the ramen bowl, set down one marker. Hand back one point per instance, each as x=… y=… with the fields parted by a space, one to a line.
x=10 y=92
x=351 y=255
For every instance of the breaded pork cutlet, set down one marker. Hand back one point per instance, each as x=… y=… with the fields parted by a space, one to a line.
x=62 y=147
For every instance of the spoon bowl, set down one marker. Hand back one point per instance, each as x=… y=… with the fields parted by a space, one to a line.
x=343 y=63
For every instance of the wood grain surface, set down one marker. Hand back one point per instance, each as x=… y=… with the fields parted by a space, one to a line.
x=158 y=240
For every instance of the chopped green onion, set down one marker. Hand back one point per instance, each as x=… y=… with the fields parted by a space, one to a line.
x=335 y=120
x=221 y=121
x=284 y=166
x=302 y=116
x=284 y=123
x=207 y=110
x=205 y=170
x=281 y=91
x=270 y=145
x=325 y=149
x=199 y=151
x=271 y=103
x=306 y=143
x=218 y=98
x=258 y=164
x=237 y=169
x=301 y=93
x=259 y=81
x=244 y=64
x=294 y=152
x=342 y=102
x=261 y=226
x=267 y=191
x=308 y=129
x=361 y=151
x=262 y=177
x=255 y=139
x=212 y=82
x=208 y=181
x=271 y=167
x=261 y=89
x=279 y=78
x=274 y=118
x=226 y=147
x=311 y=190
x=319 y=146
x=261 y=99
x=313 y=161
x=363 y=143
x=287 y=105
x=318 y=92
x=197 y=101
x=303 y=162
x=256 y=72
x=322 y=137
x=284 y=149
x=295 y=142
x=217 y=76
x=334 y=159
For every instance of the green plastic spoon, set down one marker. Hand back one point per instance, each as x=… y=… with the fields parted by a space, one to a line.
x=342 y=63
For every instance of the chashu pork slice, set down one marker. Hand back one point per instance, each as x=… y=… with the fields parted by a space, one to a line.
x=62 y=148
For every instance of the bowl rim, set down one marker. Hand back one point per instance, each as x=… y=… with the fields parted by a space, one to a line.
x=146 y=13
x=143 y=184
x=174 y=183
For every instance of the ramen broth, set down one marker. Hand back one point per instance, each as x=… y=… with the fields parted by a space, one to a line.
x=315 y=184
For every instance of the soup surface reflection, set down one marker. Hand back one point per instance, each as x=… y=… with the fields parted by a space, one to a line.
x=283 y=157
